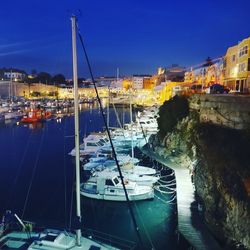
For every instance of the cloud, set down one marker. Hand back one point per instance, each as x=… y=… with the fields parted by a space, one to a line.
x=11 y=45
x=14 y=52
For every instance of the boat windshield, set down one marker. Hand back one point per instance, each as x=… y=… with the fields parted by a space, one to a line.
x=116 y=181
x=92 y=144
x=100 y=143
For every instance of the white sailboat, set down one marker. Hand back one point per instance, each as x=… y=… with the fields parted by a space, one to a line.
x=56 y=239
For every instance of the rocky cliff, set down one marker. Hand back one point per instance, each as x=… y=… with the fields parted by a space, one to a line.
x=219 y=160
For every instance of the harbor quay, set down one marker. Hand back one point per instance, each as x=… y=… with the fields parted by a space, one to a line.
x=143 y=97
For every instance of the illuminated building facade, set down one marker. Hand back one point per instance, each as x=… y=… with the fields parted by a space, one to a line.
x=237 y=67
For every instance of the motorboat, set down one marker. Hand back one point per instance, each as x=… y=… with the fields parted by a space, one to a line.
x=106 y=185
x=12 y=115
x=91 y=144
x=36 y=115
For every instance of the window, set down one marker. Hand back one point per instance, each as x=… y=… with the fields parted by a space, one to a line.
x=109 y=182
x=91 y=144
x=233 y=58
x=242 y=67
x=243 y=51
x=116 y=181
x=248 y=68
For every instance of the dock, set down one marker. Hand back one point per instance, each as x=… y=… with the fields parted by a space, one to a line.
x=190 y=222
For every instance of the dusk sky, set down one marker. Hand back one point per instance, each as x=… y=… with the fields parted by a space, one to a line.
x=135 y=35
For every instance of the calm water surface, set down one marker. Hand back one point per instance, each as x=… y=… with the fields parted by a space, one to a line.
x=36 y=182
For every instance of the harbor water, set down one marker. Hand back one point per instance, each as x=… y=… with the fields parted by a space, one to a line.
x=36 y=182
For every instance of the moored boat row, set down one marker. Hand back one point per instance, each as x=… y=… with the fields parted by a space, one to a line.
x=101 y=175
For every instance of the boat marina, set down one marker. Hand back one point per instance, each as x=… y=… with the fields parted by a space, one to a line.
x=131 y=183
x=55 y=143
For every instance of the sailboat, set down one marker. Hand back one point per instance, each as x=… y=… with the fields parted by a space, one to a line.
x=54 y=239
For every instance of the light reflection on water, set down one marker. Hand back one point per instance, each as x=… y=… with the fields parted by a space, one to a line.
x=44 y=147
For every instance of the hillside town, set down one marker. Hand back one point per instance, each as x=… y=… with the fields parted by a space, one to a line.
x=226 y=74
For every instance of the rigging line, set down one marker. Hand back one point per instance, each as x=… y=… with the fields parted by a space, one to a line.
x=145 y=229
x=117 y=117
x=65 y=174
x=111 y=143
x=33 y=174
x=18 y=172
x=71 y=206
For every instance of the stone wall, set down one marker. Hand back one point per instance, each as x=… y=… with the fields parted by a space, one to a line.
x=231 y=111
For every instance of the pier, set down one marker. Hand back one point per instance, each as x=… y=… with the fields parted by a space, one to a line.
x=190 y=223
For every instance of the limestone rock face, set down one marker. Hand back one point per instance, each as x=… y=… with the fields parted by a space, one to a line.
x=219 y=159
x=220 y=182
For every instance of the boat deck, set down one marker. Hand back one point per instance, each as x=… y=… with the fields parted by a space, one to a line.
x=190 y=222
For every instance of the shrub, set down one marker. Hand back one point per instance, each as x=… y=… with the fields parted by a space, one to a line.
x=170 y=113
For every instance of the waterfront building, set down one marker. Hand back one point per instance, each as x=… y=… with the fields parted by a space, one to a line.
x=206 y=74
x=189 y=76
x=127 y=83
x=175 y=73
x=237 y=67
x=15 y=76
x=137 y=82
x=148 y=83
x=117 y=83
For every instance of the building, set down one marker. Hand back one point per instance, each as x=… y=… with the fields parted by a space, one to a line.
x=15 y=76
x=175 y=73
x=205 y=74
x=237 y=67
x=138 y=81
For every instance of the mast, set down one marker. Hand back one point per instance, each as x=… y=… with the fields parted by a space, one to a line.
x=117 y=75
x=131 y=122
x=108 y=106
x=77 y=146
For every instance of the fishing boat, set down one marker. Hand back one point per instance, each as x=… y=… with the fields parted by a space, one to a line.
x=54 y=239
x=36 y=115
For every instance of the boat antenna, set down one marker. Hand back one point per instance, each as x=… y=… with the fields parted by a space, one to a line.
x=77 y=146
x=111 y=143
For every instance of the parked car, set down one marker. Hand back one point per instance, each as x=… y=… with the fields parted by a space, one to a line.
x=217 y=89
x=196 y=88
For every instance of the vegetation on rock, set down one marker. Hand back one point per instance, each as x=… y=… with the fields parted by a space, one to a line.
x=170 y=113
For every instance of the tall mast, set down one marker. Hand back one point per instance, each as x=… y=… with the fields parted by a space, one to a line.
x=108 y=106
x=77 y=146
x=117 y=75
x=131 y=122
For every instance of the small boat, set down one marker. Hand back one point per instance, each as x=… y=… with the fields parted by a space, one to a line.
x=36 y=115
x=12 y=115
x=107 y=186
x=2 y=118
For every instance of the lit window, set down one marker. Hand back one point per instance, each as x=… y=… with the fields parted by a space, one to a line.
x=243 y=51
x=242 y=67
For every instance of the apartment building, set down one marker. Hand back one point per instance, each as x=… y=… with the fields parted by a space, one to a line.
x=237 y=67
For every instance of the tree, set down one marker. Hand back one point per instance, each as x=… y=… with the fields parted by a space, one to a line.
x=58 y=79
x=170 y=113
x=43 y=77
